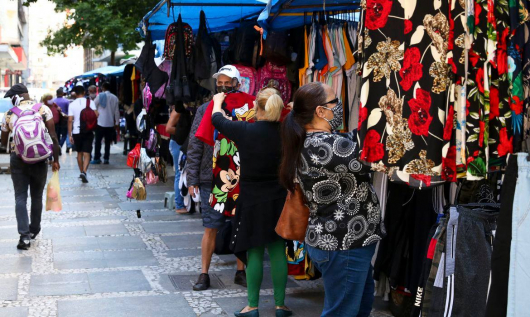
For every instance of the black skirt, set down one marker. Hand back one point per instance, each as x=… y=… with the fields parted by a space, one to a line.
x=258 y=209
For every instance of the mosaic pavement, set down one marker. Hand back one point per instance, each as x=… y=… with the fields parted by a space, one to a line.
x=97 y=258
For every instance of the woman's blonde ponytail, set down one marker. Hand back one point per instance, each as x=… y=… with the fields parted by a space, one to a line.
x=273 y=108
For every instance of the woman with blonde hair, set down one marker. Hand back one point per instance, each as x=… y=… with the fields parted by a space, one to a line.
x=261 y=197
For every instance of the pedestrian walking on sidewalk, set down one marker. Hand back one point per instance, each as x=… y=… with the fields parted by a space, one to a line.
x=107 y=105
x=92 y=92
x=261 y=198
x=28 y=168
x=81 y=137
x=345 y=218
x=58 y=116
x=62 y=127
x=178 y=126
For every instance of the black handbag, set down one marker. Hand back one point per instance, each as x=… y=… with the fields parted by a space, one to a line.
x=222 y=239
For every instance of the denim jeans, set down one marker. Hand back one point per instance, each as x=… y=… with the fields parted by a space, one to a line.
x=62 y=136
x=348 y=280
x=32 y=177
x=518 y=303
x=174 y=148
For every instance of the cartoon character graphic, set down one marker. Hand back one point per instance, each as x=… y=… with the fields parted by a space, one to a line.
x=244 y=113
x=226 y=178
x=245 y=85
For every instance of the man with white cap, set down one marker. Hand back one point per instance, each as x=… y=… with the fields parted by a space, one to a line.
x=199 y=176
x=228 y=79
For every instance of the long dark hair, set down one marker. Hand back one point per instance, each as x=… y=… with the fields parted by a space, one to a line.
x=306 y=99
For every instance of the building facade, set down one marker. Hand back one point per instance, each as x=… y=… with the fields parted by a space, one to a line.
x=14 y=43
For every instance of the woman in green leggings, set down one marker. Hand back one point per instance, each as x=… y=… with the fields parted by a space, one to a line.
x=261 y=197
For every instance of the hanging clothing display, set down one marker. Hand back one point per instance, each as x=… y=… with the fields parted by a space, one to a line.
x=500 y=258
x=442 y=93
x=510 y=268
x=226 y=170
x=329 y=46
x=405 y=82
x=409 y=216
x=146 y=64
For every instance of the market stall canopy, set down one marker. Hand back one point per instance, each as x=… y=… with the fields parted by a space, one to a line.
x=220 y=14
x=107 y=71
x=288 y=14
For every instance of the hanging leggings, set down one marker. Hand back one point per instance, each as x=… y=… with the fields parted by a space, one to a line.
x=255 y=272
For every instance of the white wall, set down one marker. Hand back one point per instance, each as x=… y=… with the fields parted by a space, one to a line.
x=49 y=72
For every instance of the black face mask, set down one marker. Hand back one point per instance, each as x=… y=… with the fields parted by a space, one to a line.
x=225 y=89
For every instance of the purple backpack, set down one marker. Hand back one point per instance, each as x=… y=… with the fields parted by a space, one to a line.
x=29 y=135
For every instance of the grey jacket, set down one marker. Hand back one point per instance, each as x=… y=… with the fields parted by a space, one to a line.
x=200 y=155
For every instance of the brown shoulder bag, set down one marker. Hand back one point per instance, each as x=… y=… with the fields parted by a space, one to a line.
x=293 y=221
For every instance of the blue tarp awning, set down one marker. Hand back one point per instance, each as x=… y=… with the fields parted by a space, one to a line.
x=288 y=14
x=220 y=14
x=107 y=70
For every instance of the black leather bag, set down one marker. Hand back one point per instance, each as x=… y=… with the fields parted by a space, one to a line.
x=222 y=239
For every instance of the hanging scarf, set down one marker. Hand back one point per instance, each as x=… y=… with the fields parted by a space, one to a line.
x=103 y=100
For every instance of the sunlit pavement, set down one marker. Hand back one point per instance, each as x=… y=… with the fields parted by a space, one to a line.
x=97 y=258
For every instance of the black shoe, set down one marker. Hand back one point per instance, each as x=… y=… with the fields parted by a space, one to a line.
x=23 y=244
x=203 y=283
x=241 y=278
x=34 y=235
x=106 y=162
x=84 y=179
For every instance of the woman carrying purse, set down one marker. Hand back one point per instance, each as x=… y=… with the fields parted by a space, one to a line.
x=344 y=215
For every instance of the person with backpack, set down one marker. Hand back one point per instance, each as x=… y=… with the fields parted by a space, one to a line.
x=29 y=152
x=108 y=121
x=82 y=122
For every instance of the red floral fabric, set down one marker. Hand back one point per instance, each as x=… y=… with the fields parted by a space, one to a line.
x=377 y=13
x=420 y=119
x=412 y=69
x=373 y=150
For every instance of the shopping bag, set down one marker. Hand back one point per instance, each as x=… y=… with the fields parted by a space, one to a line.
x=53 y=194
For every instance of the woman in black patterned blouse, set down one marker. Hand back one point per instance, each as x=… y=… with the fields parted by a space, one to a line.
x=345 y=219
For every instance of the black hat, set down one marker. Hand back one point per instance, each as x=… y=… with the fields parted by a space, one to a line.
x=17 y=89
x=60 y=91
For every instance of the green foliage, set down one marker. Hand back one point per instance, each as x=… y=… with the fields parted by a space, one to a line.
x=97 y=24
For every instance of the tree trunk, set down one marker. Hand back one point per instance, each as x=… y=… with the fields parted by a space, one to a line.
x=112 y=58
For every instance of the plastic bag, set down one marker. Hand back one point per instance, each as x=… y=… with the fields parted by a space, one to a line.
x=145 y=161
x=151 y=178
x=133 y=158
x=53 y=194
